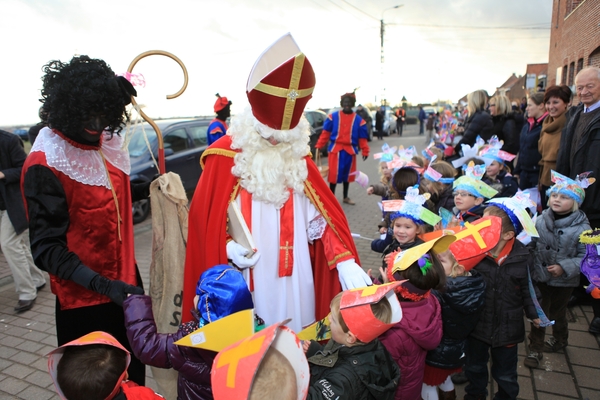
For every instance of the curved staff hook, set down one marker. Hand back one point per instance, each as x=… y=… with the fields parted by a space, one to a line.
x=161 y=146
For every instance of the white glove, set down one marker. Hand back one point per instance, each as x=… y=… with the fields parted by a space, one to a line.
x=352 y=275
x=237 y=253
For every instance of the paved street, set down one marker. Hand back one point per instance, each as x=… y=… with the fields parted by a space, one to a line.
x=27 y=337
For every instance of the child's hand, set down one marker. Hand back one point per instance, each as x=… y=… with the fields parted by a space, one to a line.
x=370 y=190
x=536 y=322
x=305 y=345
x=384 y=277
x=382 y=230
x=555 y=270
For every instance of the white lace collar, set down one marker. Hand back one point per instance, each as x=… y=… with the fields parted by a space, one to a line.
x=81 y=165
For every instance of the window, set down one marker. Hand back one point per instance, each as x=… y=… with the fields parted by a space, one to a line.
x=571 y=73
x=198 y=134
x=176 y=140
x=563 y=79
x=572 y=5
x=594 y=59
x=579 y=65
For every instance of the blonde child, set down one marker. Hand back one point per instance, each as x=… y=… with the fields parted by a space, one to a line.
x=497 y=173
x=420 y=329
x=461 y=302
x=438 y=180
x=558 y=256
x=507 y=297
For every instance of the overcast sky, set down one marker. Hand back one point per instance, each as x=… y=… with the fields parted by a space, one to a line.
x=434 y=49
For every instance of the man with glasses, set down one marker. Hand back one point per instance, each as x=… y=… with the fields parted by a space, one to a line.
x=579 y=150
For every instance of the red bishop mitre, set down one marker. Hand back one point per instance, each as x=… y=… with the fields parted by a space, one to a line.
x=355 y=307
x=280 y=84
x=97 y=337
x=475 y=239
x=235 y=367
x=221 y=103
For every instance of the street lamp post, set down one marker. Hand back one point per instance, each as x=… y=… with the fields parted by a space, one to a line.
x=382 y=34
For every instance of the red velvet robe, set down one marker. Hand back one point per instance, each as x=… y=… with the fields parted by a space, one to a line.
x=207 y=231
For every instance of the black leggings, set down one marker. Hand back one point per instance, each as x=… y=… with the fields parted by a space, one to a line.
x=346 y=186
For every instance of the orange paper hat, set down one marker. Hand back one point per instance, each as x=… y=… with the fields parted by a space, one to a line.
x=280 y=84
x=355 y=307
x=91 y=338
x=476 y=239
x=234 y=368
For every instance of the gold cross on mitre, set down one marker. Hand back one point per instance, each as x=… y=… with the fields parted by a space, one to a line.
x=232 y=357
x=473 y=230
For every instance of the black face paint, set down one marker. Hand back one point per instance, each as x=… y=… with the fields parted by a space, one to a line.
x=93 y=128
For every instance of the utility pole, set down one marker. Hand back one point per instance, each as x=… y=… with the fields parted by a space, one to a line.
x=382 y=58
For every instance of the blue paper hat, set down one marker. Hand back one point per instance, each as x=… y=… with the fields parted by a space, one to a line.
x=574 y=188
x=471 y=182
x=492 y=152
x=516 y=209
x=411 y=207
x=222 y=291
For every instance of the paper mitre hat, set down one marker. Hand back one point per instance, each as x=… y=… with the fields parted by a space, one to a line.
x=492 y=152
x=355 y=307
x=403 y=259
x=318 y=331
x=234 y=368
x=426 y=152
x=476 y=239
x=97 y=337
x=434 y=175
x=574 y=188
x=387 y=153
x=468 y=152
x=411 y=207
x=516 y=209
x=280 y=84
x=471 y=182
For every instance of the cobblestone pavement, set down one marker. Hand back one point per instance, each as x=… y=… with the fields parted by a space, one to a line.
x=26 y=338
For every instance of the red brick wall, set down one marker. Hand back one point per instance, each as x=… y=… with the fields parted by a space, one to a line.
x=573 y=36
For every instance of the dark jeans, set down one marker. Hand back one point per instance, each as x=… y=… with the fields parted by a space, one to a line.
x=528 y=179
x=422 y=127
x=554 y=303
x=543 y=196
x=504 y=370
x=399 y=127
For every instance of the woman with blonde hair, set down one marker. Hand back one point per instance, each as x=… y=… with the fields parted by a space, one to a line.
x=478 y=120
x=504 y=125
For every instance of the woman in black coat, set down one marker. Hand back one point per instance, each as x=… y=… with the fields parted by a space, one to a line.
x=478 y=120
x=504 y=126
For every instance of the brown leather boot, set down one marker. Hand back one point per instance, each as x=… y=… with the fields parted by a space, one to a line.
x=451 y=395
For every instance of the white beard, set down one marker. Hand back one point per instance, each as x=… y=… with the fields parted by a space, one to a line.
x=268 y=171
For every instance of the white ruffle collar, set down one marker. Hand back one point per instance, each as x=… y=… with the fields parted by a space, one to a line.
x=81 y=165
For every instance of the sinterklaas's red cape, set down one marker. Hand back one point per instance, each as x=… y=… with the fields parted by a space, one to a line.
x=207 y=229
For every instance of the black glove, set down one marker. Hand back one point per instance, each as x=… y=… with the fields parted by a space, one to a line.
x=365 y=158
x=116 y=290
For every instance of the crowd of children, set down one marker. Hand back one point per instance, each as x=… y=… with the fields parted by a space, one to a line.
x=464 y=259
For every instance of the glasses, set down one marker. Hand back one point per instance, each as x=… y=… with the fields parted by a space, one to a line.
x=462 y=194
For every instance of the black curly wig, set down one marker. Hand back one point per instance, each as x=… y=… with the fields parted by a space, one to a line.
x=84 y=87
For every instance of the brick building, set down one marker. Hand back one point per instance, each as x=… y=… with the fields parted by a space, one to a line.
x=574 y=39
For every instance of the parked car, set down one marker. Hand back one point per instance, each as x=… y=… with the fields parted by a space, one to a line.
x=316 y=119
x=184 y=143
x=389 y=122
x=22 y=133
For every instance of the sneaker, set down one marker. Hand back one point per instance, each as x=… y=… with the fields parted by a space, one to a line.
x=459 y=378
x=533 y=359
x=552 y=345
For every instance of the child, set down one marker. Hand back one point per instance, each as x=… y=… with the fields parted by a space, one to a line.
x=408 y=218
x=94 y=367
x=469 y=194
x=501 y=327
x=221 y=291
x=461 y=302
x=497 y=173
x=438 y=180
x=404 y=178
x=420 y=329
x=354 y=364
x=270 y=364
x=558 y=255
x=382 y=188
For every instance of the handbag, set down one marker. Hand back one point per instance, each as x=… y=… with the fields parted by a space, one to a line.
x=323 y=169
